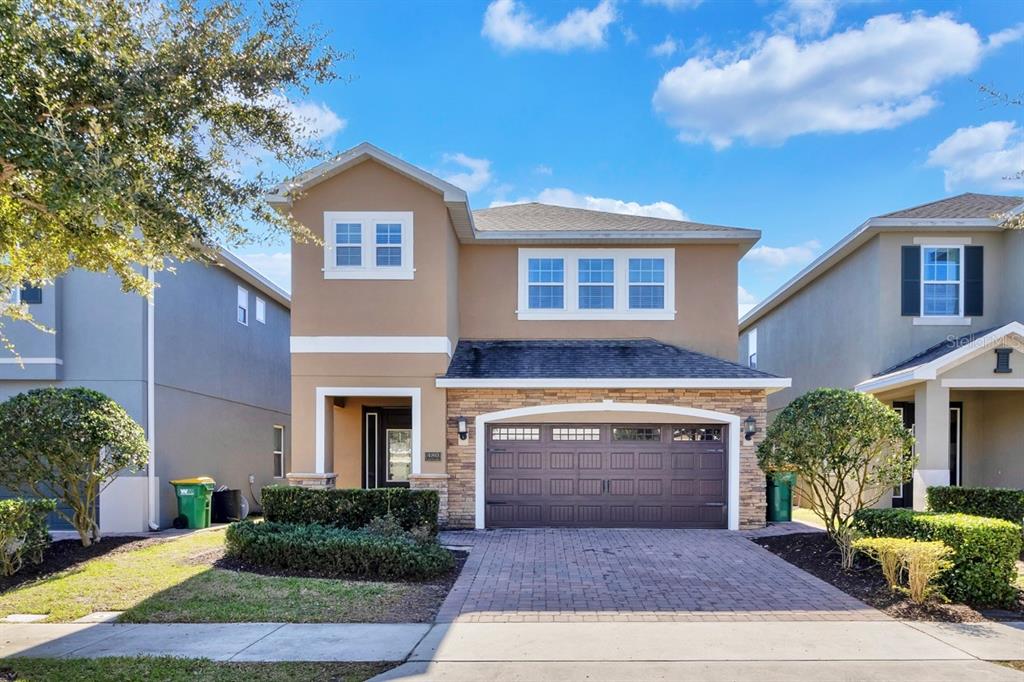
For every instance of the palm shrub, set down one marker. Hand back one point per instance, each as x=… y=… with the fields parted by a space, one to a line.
x=23 y=532
x=848 y=449
x=68 y=443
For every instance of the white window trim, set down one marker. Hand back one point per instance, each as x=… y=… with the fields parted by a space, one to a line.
x=238 y=305
x=958 y=319
x=369 y=268
x=572 y=311
x=261 y=310
x=281 y=453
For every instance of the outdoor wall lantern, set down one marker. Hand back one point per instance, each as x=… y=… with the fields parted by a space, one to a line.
x=749 y=427
x=463 y=429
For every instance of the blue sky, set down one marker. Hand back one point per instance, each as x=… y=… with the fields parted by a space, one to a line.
x=801 y=118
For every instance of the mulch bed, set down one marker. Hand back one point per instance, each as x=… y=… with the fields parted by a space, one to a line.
x=67 y=554
x=816 y=554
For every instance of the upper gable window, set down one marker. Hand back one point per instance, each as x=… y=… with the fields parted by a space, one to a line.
x=368 y=245
x=942 y=281
x=596 y=284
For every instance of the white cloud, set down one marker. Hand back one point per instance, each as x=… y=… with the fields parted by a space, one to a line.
x=275 y=266
x=746 y=301
x=1005 y=37
x=984 y=155
x=869 y=78
x=508 y=24
x=665 y=48
x=784 y=257
x=674 y=4
x=629 y=35
x=560 y=196
x=311 y=120
x=542 y=169
x=476 y=176
x=805 y=17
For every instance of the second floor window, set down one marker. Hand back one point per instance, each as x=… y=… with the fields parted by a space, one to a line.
x=368 y=245
x=597 y=283
x=243 y=306
x=647 y=283
x=547 y=283
x=941 y=280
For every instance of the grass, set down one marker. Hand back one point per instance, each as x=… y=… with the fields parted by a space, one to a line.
x=804 y=515
x=172 y=669
x=174 y=581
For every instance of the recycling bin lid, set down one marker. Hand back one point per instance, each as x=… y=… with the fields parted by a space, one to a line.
x=197 y=480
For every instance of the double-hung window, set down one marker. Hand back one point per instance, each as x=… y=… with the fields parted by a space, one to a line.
x=243 y=306
x=279 y=452
x=942 y=281
x=596 y=284
x=646 y=283
x=261 y=310
x=368 y=245
x=547 y=283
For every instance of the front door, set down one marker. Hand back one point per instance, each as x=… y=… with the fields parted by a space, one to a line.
x=903 y=494
x=387 y=447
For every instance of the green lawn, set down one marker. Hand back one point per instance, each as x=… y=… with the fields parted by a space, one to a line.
x=807 y=516
x=174 y=581
x=167 y=669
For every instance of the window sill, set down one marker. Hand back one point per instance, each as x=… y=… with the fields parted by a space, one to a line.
x=595 y=315
x=938 y=321
x=370 y=273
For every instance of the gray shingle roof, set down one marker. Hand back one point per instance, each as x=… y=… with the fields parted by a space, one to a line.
x=534 y=217
x=962 y=206
x=589 y=359
x=937 y=351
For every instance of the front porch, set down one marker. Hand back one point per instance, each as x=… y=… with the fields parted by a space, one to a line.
x=964 y=400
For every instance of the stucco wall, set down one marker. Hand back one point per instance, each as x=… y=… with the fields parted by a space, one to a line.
x=348 y=437
x=998 y=459
x=459 y=488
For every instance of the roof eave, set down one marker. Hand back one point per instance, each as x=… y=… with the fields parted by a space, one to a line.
x=744 y=237
x=243 y=271
x=771 y=385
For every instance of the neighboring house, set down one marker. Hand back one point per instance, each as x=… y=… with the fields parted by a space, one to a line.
x=537 y=365
x=204 y=370
x=922 y=308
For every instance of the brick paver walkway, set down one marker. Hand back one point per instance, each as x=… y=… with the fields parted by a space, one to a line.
x=569 y=575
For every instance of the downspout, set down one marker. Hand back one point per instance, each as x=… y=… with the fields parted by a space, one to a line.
x=154 y=494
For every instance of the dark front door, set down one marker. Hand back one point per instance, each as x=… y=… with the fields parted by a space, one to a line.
x=387 y=447
x=903 y=495
x=606 y=475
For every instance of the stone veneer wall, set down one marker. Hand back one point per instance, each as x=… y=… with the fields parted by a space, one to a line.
x=458 y=489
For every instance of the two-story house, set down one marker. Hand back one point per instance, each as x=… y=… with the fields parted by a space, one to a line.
x=537 y=365
x=923 y=308
x=202 y=366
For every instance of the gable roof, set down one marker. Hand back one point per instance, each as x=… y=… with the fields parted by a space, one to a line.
x=605 y=362
x=962 y=212
x=537 y=217
x=928 y=364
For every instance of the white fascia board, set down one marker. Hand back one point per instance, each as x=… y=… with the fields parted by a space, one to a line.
x=773 y=384
x=888 y=381
x=371 y=344
x=245 y=272
x=521 y=236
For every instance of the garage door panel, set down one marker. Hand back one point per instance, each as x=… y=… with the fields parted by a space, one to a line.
x=579 y=476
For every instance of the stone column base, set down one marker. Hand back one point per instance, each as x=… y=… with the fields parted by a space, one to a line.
x=312 y=480
x=438 y=482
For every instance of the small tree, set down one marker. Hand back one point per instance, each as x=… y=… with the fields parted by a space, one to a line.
x=68 y=443
x=848 y=449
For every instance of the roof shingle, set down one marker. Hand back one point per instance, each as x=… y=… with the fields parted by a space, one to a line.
x=534 y=217
x=937 y=351
x=589 y=359
x=962 y=206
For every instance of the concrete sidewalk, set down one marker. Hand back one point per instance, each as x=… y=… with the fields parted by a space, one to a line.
x=872 y=650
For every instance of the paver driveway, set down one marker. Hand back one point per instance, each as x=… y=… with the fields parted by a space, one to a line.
x=634 y=574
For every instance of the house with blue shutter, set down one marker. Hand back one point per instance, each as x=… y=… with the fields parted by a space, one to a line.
x=923 y=308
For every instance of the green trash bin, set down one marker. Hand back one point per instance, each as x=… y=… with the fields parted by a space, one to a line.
x=194 y=501
x=780 y=497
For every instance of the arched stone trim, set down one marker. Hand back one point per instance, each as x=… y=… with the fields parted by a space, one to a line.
x=732 y=449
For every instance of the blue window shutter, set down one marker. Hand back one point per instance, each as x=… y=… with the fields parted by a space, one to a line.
x=31 y=295
x=974 y=281
x=911 y=277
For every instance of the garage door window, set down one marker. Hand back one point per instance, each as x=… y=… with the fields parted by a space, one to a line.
x=622 y=433
x=515 y=433
x=575 y=433
x=697 y=433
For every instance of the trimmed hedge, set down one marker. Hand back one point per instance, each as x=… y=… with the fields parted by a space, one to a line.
x=337 y=552
x=351 y=508
x=986 y=549
x=23 y=532
x=996 y=503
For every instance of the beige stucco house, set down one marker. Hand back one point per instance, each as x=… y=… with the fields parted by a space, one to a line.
x=537 y=365
x=923 y=308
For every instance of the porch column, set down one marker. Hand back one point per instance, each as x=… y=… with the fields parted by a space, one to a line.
x=931 y=412
x=321 y=473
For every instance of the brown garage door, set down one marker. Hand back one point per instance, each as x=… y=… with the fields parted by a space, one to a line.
x=593 y=475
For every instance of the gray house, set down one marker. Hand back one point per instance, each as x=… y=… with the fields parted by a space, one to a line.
x=204 y=369
x=923 y=308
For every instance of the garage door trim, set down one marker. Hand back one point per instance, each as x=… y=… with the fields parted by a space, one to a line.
x=697 y=414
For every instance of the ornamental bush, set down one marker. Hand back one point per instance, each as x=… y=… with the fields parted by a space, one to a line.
x=996 y=503
x=336 y=552
x=921 y=563
x=986 y=550
x=23 y=532
x=351 y=508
